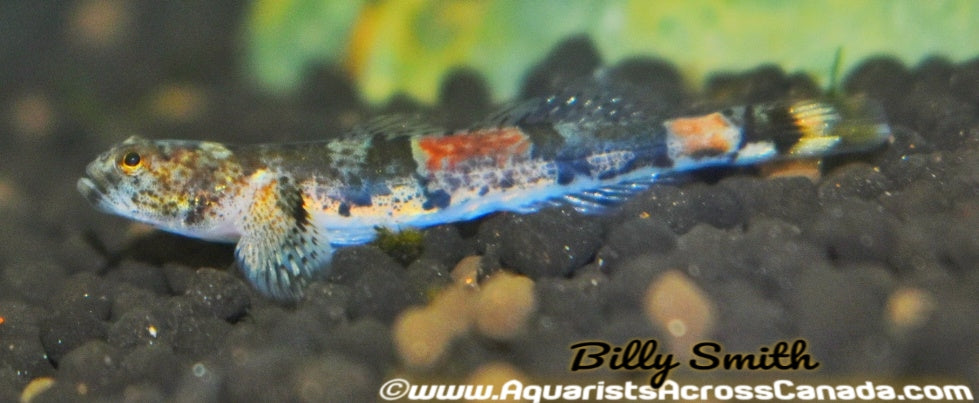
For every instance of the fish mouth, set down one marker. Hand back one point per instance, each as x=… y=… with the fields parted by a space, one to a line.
x=94 y=187
x=94 y=193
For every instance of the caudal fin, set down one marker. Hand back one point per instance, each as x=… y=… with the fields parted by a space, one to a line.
x=806 y=129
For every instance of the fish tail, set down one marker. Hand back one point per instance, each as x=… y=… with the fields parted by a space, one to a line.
x=817 y=128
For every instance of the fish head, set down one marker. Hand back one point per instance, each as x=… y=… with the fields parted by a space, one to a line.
x=176 y=185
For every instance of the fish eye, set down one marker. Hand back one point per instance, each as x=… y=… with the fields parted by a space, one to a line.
x=131 y=159
x=130 y=162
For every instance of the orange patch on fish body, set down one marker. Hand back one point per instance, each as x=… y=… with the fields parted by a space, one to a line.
x=446 y=152
x=708 y=134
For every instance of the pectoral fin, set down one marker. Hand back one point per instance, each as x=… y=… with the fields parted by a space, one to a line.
x=280 y=249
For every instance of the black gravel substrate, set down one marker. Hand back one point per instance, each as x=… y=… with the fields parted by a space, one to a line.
x=875 y=264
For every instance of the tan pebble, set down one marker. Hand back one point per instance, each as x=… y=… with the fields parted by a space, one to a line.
x=677 y=304
x=806 y=168
x=454 y=308
x=420 y=337
x=179 y=102
x=11 y=195
x=466 y=271
x=504 y=304
x=496 y=374
x=909 y=308
x=100 y=23
x=33 y=117
x=137 y=230
x=36 y=387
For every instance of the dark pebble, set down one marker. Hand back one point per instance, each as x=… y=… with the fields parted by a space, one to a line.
x=96 y=365
x=9 y=390
x=463 y=98
x=69 y=328
x=140 y=275
x=793 y=199
x=686 y=206
x=143 y=393
x=905 y=156
x=85 y=292
x=552 y=242
x=464 y=355
x=179 y=277
x=855 y=231
x=128 y=297
x=823 y=324
x=578 y=304
x=380 y=294
x=366 y=340
x=765 y=254
x=350 y=263
x=26 y=358
x=571 y=60
x=376 y=281
x=263 y=375
x=637 y=236
x=940 y=345
x=629 y=279
x=319 y=379
x=766 y=83
x=964 y=81
x=77 y=254
x=544 y=349
x=329 y=301
x=23 y=356
x=853 y=180
x=218 y=293
x=747 y=318
x=883 y=78
x=140 y=327
x=199 y=336
x=424 y=277
x=445 y=244
x=655 y=79
x=941 y=119
x=157 y=365
x=33 y=281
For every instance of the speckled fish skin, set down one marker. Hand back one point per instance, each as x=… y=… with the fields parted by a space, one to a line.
x=289 y=205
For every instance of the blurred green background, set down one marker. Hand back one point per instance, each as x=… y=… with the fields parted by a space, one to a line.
x=408 y=45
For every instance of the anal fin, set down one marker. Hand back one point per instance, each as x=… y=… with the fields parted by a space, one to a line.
x=280 y=249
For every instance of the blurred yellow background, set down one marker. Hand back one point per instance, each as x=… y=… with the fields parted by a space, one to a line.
x=408 y=45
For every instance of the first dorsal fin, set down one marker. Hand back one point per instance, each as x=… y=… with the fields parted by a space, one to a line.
x=280 y=249
x=392 y=126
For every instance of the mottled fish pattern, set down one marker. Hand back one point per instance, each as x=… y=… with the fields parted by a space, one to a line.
x=289 y=205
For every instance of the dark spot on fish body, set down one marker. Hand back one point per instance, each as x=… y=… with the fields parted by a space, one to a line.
x=437 y=199
x=547 y=142
x=454 y=181
x=290 y=200
x=390 y=157
x=483 y=190
x=506 y=181
x=565 y=173
x=358 y=197
x=196 y=214
x=344 y=210
x=775 y=124
x=706 y=153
